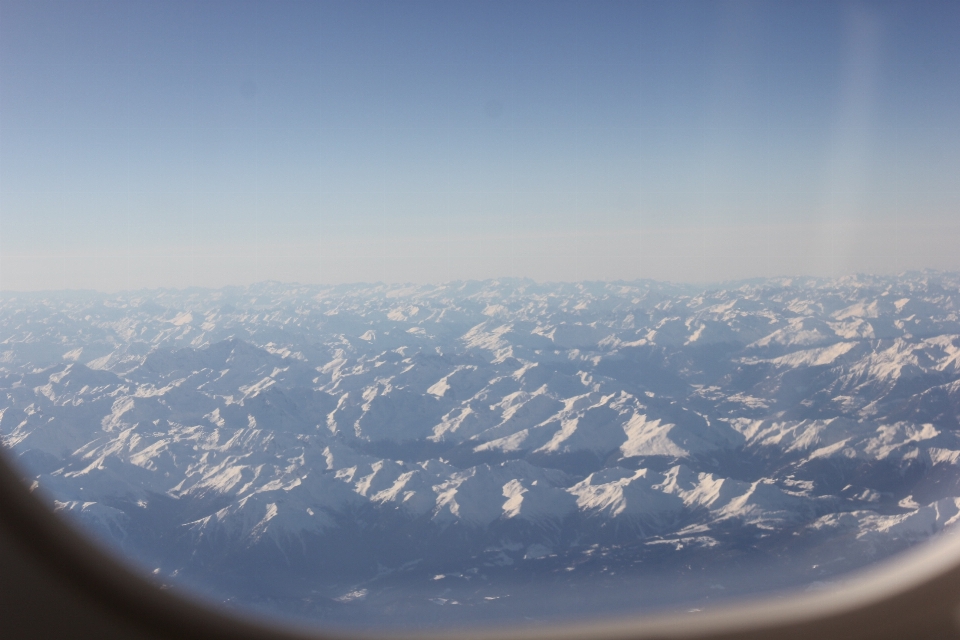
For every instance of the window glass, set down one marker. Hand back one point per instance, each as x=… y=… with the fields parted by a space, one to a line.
x=426 y=314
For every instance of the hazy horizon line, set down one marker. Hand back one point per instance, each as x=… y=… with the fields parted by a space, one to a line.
x=705 y=284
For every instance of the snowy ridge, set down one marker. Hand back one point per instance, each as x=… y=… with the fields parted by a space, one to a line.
x=550 y=417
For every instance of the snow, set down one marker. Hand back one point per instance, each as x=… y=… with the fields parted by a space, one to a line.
x=455 y=406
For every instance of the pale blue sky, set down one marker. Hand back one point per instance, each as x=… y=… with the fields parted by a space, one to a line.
x=149 y=144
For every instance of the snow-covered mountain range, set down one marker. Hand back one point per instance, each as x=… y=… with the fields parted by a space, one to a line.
x=514 y=448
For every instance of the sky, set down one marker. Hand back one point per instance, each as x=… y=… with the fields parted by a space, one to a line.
x=174 y=144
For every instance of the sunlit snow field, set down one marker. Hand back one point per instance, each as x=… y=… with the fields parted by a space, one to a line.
x=495 y=451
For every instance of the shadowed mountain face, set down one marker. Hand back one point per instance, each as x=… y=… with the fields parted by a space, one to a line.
x=493 y=451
